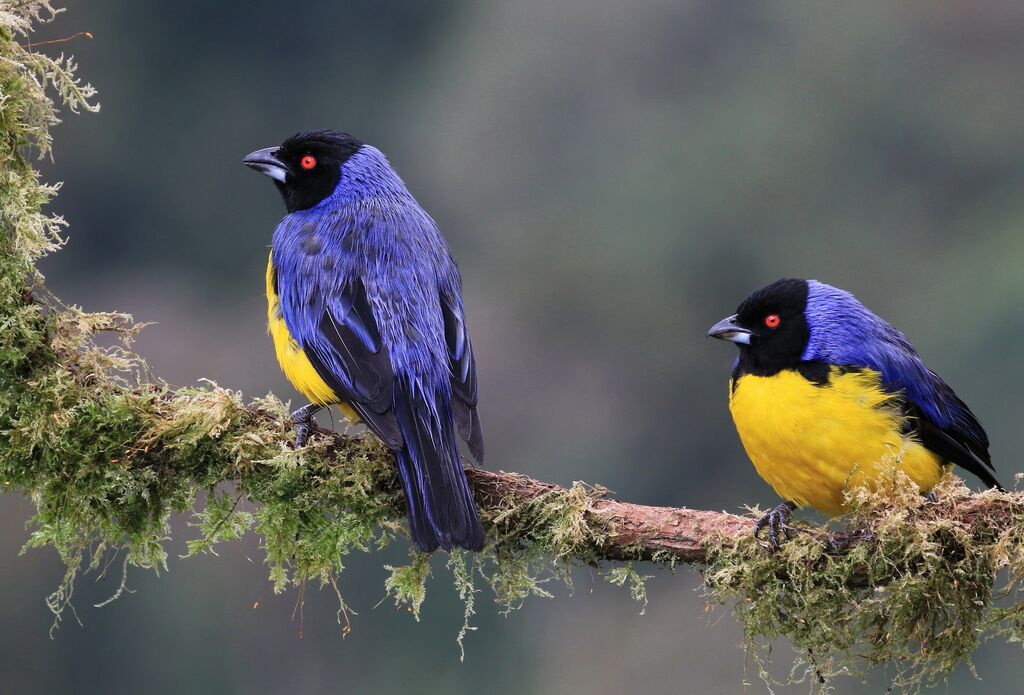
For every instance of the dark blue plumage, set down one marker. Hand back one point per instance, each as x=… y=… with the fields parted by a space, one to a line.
x=369 y=290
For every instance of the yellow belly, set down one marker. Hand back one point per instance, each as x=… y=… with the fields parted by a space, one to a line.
x=811 y=443
x=294 y=363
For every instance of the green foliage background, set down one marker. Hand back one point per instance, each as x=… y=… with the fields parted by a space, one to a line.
x=613 y=179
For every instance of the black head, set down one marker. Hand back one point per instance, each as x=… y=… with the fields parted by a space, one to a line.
x=770 y=327
x=306 y=167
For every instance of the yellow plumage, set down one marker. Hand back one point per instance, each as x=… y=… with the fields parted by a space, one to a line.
x=294 y=363
x=811 y=442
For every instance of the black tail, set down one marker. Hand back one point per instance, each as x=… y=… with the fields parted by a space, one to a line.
x=440 y=505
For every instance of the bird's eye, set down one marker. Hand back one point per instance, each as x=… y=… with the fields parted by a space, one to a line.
x=772 y=320
x=307 y=162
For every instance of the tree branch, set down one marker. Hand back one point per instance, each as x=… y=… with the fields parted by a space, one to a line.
x=643 y=532
x=626 y=531
x=630 y=531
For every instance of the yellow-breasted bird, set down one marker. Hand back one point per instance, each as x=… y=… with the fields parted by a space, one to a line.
x=364 y=303
x=826 y=395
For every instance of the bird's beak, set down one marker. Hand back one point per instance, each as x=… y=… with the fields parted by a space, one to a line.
x=266 y=162
x=728 y=329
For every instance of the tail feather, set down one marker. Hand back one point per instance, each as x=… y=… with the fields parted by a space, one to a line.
x=441 y=509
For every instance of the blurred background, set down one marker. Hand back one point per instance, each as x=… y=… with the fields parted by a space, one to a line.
x=613 y=178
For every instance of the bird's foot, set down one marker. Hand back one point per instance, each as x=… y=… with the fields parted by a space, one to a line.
x=776 y=520
x=932 y=497
x=304 y=425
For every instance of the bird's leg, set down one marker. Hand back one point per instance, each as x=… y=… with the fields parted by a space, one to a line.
x=776 y=520
x=932 y=497
x=303 y=419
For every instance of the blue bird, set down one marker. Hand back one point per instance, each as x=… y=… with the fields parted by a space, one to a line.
x=826 y=395
x=364 y=304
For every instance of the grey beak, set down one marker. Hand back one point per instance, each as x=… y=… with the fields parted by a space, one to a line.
x=266 y=162
x=728 y=329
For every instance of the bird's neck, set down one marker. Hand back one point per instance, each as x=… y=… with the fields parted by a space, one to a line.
x=758 y=363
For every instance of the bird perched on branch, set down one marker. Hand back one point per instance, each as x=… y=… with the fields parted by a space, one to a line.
x=365 y=310
x=826 y=395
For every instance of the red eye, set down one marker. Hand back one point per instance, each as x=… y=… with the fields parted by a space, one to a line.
x=308 y=162
x=772 y=320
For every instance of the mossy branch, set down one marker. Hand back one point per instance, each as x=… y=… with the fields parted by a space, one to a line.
x=107 y=457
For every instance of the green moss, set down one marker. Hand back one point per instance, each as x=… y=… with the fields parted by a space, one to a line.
x=637 y=583
x=916 y=591
x=463 y=570
x=408 y=583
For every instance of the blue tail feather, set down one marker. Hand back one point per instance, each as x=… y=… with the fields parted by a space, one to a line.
x=440 y=505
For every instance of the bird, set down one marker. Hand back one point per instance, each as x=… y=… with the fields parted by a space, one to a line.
x=364 y=305
x=826 y=396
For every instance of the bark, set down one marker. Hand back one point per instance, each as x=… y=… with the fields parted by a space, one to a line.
x=639 y=532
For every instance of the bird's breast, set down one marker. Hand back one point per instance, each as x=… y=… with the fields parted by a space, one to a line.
x=290 y=355
x=812 y=440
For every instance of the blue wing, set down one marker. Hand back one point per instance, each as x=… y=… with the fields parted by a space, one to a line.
x=962 y=441
x=347 y=352
x=463 y=374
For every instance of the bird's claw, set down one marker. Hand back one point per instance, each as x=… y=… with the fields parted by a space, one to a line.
x=776 y=520
x=303 y=419
x=932 y=497
x=302 y=432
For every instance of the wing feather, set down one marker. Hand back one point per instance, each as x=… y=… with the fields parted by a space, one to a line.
x=963 y=443
x=348 y=353
x=463 y=375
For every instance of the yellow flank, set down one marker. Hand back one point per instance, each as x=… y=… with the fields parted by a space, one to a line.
x=810 y=443
x=294 y=363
